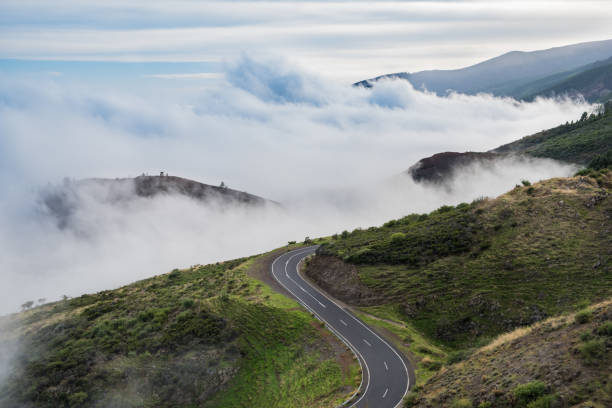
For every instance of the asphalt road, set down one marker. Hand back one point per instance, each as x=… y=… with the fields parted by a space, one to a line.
x=385 y=374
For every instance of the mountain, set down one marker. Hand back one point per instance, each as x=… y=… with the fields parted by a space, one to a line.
x=61 y=201
x=593 y=82
x=504 y=74
x=207 y=336
x=440 y=166
x=577 y=142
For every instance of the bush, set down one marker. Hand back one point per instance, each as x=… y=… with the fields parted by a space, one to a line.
x=188 y=303
x=397 y=237
x=77 y=399
x=462 y=403
x=526 y=183
x=457 y=356
x=526 y=393
x=545 y=401
x=344 y=234
x=601 y=161
x=605 y=329
x=584 y=316
x=410 y=399
x=290 y=242
x=485 y=404
x=593 y=351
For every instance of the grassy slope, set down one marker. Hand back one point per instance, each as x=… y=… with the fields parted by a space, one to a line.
x=577 y=142
x=570 y=356
x=176 y=340
x=462 y=275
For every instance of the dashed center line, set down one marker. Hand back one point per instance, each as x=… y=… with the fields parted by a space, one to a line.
x=386 y=366
x=343 y=322
x=367 y=342
x=385 y=394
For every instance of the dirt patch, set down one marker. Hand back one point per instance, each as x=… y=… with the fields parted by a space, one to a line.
x=261 y=269
x=341 y=280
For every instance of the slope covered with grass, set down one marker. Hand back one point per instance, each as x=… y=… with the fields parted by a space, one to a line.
x=462 y=275
x=561 y=362
x=207 y=336
x=576 y=142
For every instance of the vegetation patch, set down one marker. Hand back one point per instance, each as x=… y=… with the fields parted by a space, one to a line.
x=205 y=336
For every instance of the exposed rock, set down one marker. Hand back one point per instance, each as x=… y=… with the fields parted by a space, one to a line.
x=441 y=166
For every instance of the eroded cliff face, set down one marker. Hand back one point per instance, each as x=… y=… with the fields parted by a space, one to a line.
x=340 y=279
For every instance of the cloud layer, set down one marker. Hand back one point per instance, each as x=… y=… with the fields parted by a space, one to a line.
x=349 y=40
x=328 y=152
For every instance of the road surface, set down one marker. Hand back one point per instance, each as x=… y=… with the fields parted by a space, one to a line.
x=385 y=374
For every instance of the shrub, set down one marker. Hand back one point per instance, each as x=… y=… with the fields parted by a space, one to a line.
x=397 y=237
x=605 y=329
x=290 y=242
x=545 y=401
x=77 y=399
x=188 y=303
x=174 y=274
x=431 y=364
x=525 y=393
x=344 y=234
x=307 y=240
x=601 y=161
x=530 y=190
x=462 y=403
x=485 y=404
x=410 y=399
x=583 y=316
x=592 y=351
x=390 y=223
x=457 y=356
x=526 y=183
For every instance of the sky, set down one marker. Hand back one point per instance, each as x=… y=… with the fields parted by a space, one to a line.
x=344 y=40
x=255 y=94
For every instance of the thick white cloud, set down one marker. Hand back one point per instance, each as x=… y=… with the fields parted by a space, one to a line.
x=327 y=151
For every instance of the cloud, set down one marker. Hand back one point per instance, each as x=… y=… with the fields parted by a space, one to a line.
x=327 y=151
x=349 y=41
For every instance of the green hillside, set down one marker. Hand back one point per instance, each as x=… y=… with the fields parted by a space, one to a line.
x=561 y=362
x=462 y=275
x=208 y=336
x=575 y=142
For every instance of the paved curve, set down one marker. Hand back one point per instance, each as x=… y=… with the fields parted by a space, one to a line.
x=385 y=375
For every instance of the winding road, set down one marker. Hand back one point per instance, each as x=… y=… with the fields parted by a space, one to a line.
x=385 y=374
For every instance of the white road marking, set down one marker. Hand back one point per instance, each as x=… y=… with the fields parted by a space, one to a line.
x=359 y=359
x=386 y=366
x=304 y=290
x=385 y=394
x=343 y=322
x=367 y=342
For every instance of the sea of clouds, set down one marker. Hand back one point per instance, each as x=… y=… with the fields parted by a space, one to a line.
x=332 y=154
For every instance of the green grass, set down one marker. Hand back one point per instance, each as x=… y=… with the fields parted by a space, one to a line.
x=576 y=142
x=206 y=336
x=462 y=275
